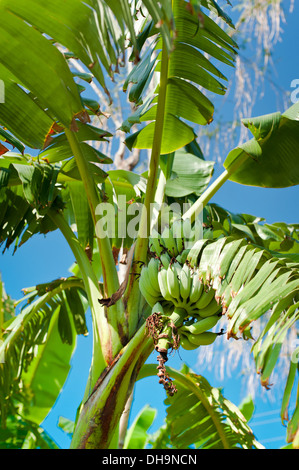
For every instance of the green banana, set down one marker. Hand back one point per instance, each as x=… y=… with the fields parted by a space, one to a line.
x=162 y=279
x=165 y=259
x=169 y=242
x=178 y=316
x=185 y=282
x=173 y=281
x=201 y=325
x=204 y=299
x=182 y=230
x=147 y=282
x=181 y=258
x=178 y=234
x=186 y=344
x=155 y=243
x=153 y=269
x=196 y=288
x=151 y=295
x=210 y=309
x=203 y=339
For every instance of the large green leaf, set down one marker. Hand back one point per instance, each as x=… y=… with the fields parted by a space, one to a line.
x=279 y=238
x=191 y=175
x=273 y=152
x=29 y=348
x=39 y=85
x=48 y=371
x=25 y=51
x=200 y=417
x=250 y=282
x=87 y=29
x=188 y=70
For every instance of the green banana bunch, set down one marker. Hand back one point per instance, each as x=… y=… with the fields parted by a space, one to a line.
x=177 y=284
x=169 y=281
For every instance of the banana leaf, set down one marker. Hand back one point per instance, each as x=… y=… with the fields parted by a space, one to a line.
x=48 y=371
x=273 y=152
x=199 y=416
x=189 y=71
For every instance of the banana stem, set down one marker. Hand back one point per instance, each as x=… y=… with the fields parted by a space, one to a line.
x=156 y=151
x=132 y=295
x=114 y=315
x=159 y=197
x=109 y=397
x=202 y=201
x=166 y=339
x=110 y=277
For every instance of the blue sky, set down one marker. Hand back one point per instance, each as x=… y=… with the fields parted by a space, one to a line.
x=46 y=258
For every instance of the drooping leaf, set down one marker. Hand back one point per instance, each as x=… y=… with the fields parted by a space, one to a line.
x=27 y=51
x=200 y=417
x=47 y=372
x=250 y=282
x=36 y=339
x=273 y=152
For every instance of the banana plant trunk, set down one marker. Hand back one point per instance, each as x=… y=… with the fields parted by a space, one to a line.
x=100 y=414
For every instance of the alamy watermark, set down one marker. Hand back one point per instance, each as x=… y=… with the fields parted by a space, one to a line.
x=130 y=220
x=295 y=92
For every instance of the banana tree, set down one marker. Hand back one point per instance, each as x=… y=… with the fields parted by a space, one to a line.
x=171 y=294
